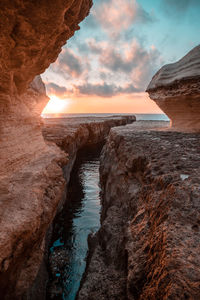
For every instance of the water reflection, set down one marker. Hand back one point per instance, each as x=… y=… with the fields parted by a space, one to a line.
x=80 y=217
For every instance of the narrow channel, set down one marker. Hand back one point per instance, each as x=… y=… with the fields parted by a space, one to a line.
x=80 y=217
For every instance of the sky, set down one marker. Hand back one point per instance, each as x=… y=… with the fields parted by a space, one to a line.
x=107 y=65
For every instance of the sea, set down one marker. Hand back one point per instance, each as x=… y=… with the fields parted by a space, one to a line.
x=139 y=117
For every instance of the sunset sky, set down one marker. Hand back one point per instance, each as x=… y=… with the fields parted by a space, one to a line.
x=108 y=64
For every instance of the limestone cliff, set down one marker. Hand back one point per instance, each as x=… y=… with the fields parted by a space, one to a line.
x=149 y=240
x=31 y=180
x=176 y=90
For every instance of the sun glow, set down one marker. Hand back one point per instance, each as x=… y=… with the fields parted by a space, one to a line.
x=56 y=105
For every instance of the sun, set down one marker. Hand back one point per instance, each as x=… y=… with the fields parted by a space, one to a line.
x=56 y=105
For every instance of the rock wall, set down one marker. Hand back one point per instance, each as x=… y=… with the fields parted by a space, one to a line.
x=73 y=135
x=31 y=184
x=176 y=90
x=147 y=247
x=31 y=180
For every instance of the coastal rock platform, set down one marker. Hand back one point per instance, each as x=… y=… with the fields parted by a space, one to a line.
x=32 y=191
x=149 y=240
x=74 y=133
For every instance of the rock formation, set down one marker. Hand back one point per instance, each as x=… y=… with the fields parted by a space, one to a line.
x=32 y=34
x=73 y=134
x=86 y=134
x=149 y=240
x=176 y=90
x=31 y=180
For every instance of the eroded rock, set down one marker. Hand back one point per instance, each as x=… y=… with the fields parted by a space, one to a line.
x=147 y=247
x=31 y=179
x=32 y=34
x=176 y=90
x=73 y=134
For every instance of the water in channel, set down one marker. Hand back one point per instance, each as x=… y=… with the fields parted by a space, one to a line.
x=80 y=217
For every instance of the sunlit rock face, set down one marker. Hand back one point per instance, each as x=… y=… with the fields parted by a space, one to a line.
x=176 y=90
x=148 y=245
x=31 y=180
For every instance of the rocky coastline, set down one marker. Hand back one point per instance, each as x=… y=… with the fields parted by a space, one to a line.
x=147 y=246
x=70 y=135
x=75 y=133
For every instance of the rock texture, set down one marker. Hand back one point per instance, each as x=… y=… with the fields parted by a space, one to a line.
x=75 y=133
x=74 y=136
x=31 y=185
x=31 y=180
x=32 y=34
x=149 y=241
x=176 y=90
x=31 y=195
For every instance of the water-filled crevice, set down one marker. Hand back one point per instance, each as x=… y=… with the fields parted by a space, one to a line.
x=79 y=217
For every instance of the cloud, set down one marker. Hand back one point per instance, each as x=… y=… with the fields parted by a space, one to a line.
x=70 y=63
x=131 y=61
x=116 y=16
x=105 y=90
x=96 y=47
x=55 y=89
x=127 y=68
x=120 y=65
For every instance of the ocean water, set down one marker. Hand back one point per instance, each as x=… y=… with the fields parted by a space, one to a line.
x=80 y=217
x=145 y=117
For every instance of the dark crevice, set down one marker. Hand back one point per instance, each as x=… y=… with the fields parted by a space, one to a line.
x=63 y=241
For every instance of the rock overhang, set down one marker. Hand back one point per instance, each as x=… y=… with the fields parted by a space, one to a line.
x=32 y=34
x=176 y=90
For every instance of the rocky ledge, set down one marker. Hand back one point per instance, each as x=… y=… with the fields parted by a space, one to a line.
x=23 y=239
x=74 y=133
x=176 y=90
x=149 y=240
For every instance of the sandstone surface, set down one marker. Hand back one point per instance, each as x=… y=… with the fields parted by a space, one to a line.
x=31 y=179
x=149 y=240
x=176 y=90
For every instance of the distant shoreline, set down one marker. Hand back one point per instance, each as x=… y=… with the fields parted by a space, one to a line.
x=139 y=117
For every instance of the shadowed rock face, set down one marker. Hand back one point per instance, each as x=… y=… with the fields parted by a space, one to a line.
x=31 y=180
x=176 y=90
